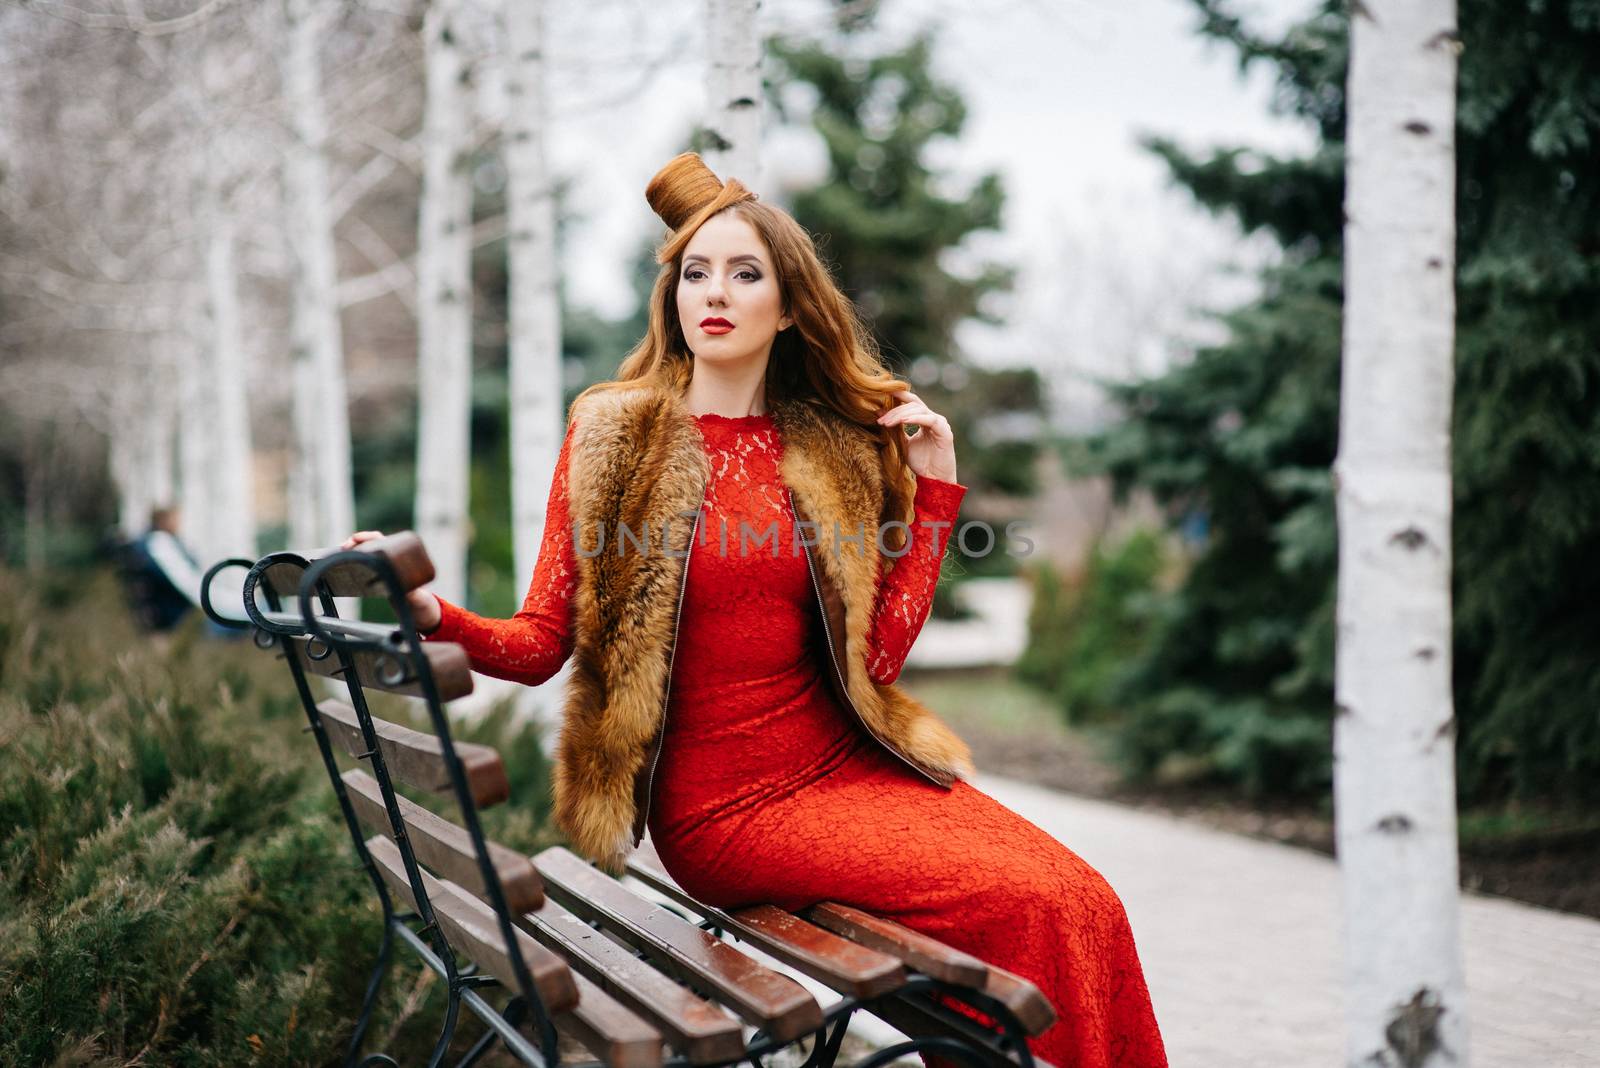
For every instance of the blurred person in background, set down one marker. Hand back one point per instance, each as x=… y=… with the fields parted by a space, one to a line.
x=163 y=578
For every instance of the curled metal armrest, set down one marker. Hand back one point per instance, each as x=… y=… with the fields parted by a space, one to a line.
x=232 y=622
x=380 y=637
x=275 y=622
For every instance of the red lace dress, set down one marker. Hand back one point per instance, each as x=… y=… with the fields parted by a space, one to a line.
x=767 y=791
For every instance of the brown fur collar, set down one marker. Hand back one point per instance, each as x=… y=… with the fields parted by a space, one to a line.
x=638 y=460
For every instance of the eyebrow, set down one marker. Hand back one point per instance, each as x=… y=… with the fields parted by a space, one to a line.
x=731 y=259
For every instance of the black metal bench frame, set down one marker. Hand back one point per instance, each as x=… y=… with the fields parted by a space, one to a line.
x=393 y=657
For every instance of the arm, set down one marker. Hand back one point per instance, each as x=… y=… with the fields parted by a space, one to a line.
x=905 y=594
x=532 y=645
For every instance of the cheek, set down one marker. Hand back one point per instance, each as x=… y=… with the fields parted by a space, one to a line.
x=771 y=301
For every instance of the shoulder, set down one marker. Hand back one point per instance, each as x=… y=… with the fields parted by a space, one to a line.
x=619 y=432
x=612 y=415
x=837 y=435
x=813 y=418
x=835 y=445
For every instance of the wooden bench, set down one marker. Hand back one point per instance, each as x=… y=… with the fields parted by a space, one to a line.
x=634 y=971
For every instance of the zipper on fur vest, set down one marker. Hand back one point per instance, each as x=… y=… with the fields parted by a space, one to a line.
x=827 y=634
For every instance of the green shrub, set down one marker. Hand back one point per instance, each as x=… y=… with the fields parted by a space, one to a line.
x=1187 y=736
x=175 y=882
x=1083 y=632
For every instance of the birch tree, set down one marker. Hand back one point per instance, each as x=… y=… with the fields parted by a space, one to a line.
x=196 y=429
x=216 y=460
x=1394 y=729
x=535 y=313
x=732 y=133
x=324 y=498
x=235 y=527
x=444 y=305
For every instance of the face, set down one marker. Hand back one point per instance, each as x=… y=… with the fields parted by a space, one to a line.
x=727 y=273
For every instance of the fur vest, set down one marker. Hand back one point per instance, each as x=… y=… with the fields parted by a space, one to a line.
x=638 y=460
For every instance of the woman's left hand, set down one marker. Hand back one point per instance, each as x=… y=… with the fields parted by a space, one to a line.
x=931 y=451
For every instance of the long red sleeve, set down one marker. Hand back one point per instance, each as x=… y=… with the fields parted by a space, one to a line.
x=905 y=594
x=532 y=645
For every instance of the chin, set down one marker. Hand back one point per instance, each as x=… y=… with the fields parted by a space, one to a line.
x=722 y=354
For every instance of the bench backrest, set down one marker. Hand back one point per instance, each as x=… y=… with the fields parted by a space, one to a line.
x=467 y=891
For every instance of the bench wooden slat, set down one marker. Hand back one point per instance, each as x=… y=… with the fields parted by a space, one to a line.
x=1025 y=1000
x=842 y=965
x=768 y=999
x=403 y=548
x=609 y=1030
x=471 y=927
x=925 y=954
x=914 y=1014
x=447 y=662
x=700 y=1029
x=446 y=847
x=416 y=758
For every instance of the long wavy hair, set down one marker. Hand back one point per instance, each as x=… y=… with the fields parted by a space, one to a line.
x=828 y=357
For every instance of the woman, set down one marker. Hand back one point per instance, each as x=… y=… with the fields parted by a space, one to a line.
x=733 y=688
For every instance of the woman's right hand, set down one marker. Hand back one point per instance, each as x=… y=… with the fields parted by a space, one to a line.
x=424 y=605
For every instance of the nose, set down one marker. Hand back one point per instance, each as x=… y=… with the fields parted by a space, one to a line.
x=714 y=291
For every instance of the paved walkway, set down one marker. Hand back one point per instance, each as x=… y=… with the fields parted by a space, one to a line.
x=1240 y=944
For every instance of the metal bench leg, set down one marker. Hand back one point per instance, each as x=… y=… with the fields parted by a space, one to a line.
x=370 y=1002
x=825 y=1053
x=514 y=1011
x=452 y=1014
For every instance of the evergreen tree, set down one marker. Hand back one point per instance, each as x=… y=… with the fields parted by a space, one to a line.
x=1238 y=672
x=884 y=226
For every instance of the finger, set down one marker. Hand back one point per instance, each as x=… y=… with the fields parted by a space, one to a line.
x=904 y=410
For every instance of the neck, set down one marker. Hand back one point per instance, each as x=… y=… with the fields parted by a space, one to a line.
x=733 y=392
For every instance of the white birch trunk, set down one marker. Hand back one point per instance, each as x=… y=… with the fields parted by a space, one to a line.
x=535 y=312
x=133 y=502
x=196 y=454
x=158 y=439
x=319 y=374
x=305 y=523
x=733 y=90
x=535 y=340
x=134 y=431
x=444 y=307
x=234 y=527
x=142 y=449
x=1394 y=729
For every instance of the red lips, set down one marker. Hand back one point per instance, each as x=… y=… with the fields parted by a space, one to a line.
x=715 y=321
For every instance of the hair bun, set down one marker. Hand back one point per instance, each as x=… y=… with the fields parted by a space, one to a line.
x=681 y=188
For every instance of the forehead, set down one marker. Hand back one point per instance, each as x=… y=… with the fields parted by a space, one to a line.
x=725 y=237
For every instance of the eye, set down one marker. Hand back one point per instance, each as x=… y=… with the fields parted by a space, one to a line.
x=753 y=276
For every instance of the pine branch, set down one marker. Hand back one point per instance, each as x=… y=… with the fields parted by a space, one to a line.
x=164 y=1017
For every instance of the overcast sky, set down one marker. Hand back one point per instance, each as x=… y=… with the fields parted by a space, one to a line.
x=1057 y=90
